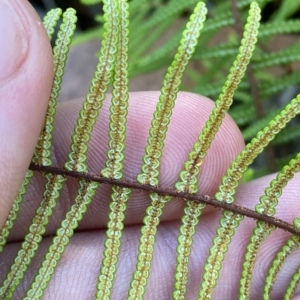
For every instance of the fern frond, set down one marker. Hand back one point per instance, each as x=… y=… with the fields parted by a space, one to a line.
x=243 y=96
x=267 y=205
x=285 y=56
x=61 y=240
x=162 y=114
x=153 y=151
x=172 y=9
x=279 y=84
x=226 y=193
x=224 y=20
x=292 y=286
x=213 y=90
x=291 y=245
x=135 y=6
x=60 y=53
x=279 y=27
x=157 y=58
x=223 y=50
x=253 y=149
x=242 y=114
x=119 y=106
x=156 y=33
x=33 y=237
x=188 y=177
x=115 y=156
x=151 y=19
x=287 y=135
x=77 y=155
x=94 y=99
x=50 y=21
x=286 y=9
x=90 y=2
x=188 y=181
x=13 y=214
x=192 y=212
x=42 y=156
x=112 y=243
x=252 y=130
x=213 y=265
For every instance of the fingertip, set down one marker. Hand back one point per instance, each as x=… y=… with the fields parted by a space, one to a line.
x=24 y=94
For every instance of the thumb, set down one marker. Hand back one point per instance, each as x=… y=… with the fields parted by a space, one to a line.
x=25 y=82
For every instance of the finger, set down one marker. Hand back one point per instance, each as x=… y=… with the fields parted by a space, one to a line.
x=190 y=114
x=78 y=280
x=25 y=82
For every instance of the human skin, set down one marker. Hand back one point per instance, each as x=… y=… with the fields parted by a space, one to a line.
x=24 y=92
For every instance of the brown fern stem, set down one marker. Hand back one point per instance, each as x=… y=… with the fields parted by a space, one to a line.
x=166 y=191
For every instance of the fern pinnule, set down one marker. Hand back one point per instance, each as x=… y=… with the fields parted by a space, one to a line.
x=212 y=25
x=227 y=190
x=243 y=96
x=157 y=58
x=190 y=219
x=279 y=27
x=279 y=84
x=285 y=56
x=153 y=151
x=253 y=149
x=242 y=114
x=77 y=158
x=60 y=52
x=296 y=277
x=13 y=214
x=223 y=50
x=224 y=11
x=50 y=21
x=42 y=155
x=269 y=201
x=33 y=237
x=289 y=135
x=119 y=101
x=94 y=99
x=171 y=9
x=267 y=205
x=188 y=178
x=115 y=156
x=251 y=131
x=291 y=245
x=156 y=33
x=135 y=6
x=138 y=18
x=86 y=192
x=162 y=114
x=292 y=285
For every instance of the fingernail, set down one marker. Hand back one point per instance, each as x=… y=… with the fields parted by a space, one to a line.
x=13 y=40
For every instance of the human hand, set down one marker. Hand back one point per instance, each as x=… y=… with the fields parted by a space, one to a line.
x=23 y=99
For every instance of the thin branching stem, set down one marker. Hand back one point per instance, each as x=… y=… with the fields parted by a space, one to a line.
x=167 y=191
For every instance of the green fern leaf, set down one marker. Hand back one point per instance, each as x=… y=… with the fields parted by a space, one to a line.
x=267 y=205
x=188 y=181
x=153 y=150
x=291 y=245
x=115 y=158
x=230 y=221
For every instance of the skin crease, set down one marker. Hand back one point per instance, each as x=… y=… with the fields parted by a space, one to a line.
x=76 y=274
